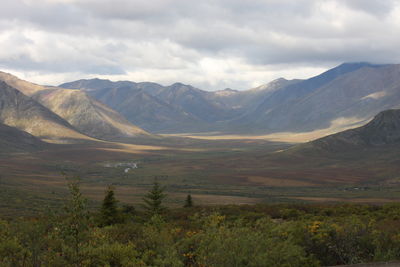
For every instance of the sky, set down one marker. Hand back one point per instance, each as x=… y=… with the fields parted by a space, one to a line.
x=210 y=44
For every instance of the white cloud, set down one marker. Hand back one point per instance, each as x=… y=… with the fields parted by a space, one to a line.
x=210 y=44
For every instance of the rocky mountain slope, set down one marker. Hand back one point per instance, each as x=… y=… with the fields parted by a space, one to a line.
x=20 y=111
x=86 y=114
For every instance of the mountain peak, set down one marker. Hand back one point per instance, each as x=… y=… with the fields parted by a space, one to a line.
x=25 y=87
x=273 y=85
x=280 y=79
x=179 y=84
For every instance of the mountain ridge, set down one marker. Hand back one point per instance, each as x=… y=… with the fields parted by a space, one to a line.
x=347 y=95
x=22 y=112
x=85 y=114
x=185 y=108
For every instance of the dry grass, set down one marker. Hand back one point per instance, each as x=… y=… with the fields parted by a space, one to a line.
x=336 y=125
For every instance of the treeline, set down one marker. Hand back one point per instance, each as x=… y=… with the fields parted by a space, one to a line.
x=249 y=235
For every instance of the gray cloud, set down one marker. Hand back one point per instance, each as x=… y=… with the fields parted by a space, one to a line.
x=373 y=7
x=211 y=44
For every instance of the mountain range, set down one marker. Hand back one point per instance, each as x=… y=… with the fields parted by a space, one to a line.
x=177 y=108
x=346 y=96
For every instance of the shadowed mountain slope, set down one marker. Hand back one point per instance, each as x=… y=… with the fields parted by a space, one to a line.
x=86 y=114
x=20 y=111
x=384 y=129
x=15 y=140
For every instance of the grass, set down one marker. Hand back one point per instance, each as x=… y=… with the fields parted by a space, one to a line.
x=213 y=171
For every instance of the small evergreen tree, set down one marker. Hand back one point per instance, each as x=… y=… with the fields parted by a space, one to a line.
x=188 y=201
x=109 y=214
x=74 y=227
x=153 y=200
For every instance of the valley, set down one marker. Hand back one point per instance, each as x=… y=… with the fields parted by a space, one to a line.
x=243 y=171
x=199 y=133
x=221 y=147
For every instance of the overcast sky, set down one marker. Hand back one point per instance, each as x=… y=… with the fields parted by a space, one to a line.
x=211 y=44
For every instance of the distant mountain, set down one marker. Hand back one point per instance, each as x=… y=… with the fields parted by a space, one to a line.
x=174 y=108
x=138 y=103
x=200 y=104
x=15 y=140
x=316 y=102
x=20 y=111
x=340 y=98
x=86 y=114
x=247 y=101
x=384 y=129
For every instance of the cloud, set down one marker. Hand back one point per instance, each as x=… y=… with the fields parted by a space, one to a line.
x=210 y=44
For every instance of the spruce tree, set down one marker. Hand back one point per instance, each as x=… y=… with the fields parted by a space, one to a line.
x=74 y=226
x=153 y=200
x=188 y=201
x=109 y=212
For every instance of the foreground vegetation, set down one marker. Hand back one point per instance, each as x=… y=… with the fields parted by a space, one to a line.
x=152 y=235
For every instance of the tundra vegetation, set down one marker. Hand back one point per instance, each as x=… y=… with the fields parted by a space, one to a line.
x=246 y=235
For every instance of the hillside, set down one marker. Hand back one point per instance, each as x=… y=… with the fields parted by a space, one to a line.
x=383 y=130
x=12 y=140
x=84 y=113
x=20 y=111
